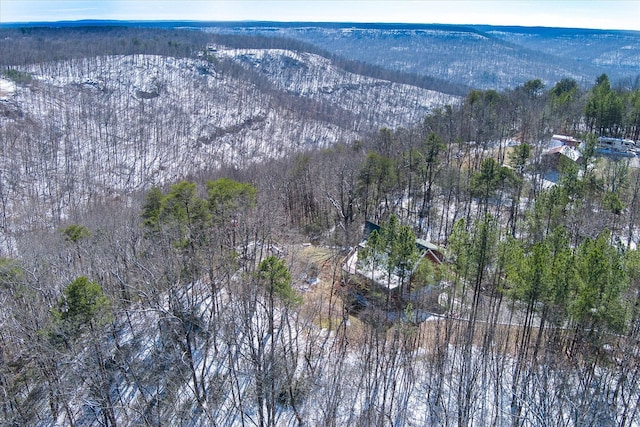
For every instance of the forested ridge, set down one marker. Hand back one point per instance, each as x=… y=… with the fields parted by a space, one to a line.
x=191 y=288
x=480 y=56
x=28 y=45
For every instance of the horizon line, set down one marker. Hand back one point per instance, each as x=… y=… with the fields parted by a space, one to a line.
x=97 y=21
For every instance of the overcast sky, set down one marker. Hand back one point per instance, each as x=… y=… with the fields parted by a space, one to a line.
x=601 y=14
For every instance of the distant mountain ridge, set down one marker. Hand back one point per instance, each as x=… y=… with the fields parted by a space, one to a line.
x=479 y=56
x=475 y=55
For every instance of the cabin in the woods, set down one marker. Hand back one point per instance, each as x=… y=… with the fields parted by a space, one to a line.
x=551 y=158
x=427 y=250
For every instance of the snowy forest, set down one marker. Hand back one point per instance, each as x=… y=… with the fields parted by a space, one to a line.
x=178 y=209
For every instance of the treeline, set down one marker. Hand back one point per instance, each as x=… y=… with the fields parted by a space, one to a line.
x=33 y=45
x=610 y=112
x=480 y=57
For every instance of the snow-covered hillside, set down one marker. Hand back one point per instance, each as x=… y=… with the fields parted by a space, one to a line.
x=98 y=127
x=312 y=76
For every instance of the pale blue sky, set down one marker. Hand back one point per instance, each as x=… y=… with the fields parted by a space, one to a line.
x=602 y=14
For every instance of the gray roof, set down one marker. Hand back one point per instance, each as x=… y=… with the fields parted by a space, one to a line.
x=428 y=245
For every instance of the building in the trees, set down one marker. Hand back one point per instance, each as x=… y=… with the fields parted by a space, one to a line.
x=552 y=157
x=557 y=140
x=377 y=273
x=561 y=148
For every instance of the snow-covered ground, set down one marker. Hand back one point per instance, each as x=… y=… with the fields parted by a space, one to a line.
x=217 y=347
x=7 y=88
x=102 y=127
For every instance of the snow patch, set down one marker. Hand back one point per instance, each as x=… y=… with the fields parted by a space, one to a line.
x=7 y=89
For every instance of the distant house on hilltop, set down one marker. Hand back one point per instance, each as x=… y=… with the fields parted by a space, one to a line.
x=605 y=145
x=551 y=157
x=560 y=147
x=569 y=141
